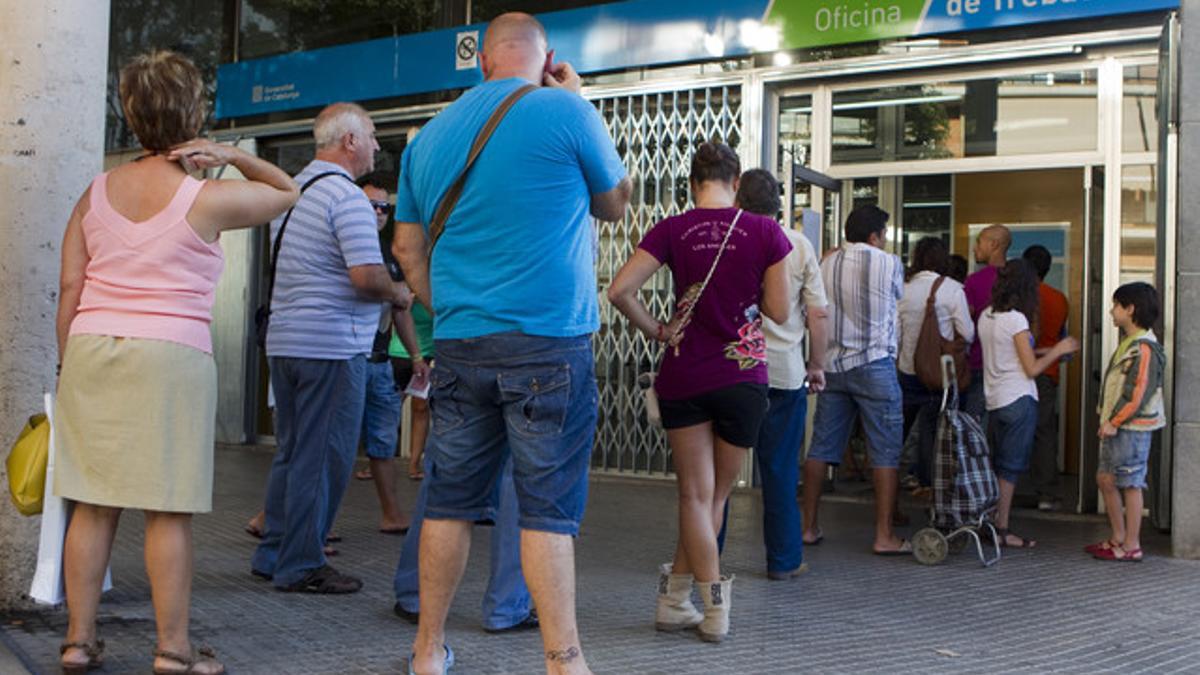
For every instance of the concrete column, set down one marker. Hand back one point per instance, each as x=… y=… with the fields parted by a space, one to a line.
x=53 y=58
x=1185 y=511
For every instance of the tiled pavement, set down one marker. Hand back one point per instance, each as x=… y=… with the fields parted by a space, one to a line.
x=1051 y=609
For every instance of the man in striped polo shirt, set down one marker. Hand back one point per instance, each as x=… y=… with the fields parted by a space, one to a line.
x=329 y=281
x=864 y=283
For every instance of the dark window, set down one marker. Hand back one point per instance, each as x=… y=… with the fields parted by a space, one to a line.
x=199 y=29
x=271 y=27
x=486 y=10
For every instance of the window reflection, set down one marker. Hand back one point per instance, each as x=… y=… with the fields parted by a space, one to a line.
x=1139 y=119
x=1016 y=114
x=271 y=27
x=1139 y=217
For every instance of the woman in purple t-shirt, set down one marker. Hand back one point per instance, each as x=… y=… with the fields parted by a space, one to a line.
x=712 y=382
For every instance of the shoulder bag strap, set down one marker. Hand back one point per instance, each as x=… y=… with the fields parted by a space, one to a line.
x=934 y=289
x=283 y=226
x=446 y=205
x=713 y=268
x=691 y=309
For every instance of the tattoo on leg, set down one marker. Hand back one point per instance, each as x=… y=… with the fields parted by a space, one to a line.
x=563 y=655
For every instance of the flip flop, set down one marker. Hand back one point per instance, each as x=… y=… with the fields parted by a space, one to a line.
x=1100 y=546
x=419 y=475
x=905 y=549
x=1109 y=555
x=333 y=538
x=363 y=474
x=397 y=531
x=1025 y=541
x=330 y=551
x=449 y=662
x=253 y=531
x=815 y=542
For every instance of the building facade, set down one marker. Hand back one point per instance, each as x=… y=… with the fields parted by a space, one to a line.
x=1070 y=122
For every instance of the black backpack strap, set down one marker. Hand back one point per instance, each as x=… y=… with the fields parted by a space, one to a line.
x=283 y=226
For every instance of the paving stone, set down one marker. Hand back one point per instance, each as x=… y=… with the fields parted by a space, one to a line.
x=1049 y=609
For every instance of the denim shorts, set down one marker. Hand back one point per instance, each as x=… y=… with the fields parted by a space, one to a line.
x=533 y=396
x=871 y=393
x=381 y=416
x=1126 y=456
x=736 y=412
x=1010 y=434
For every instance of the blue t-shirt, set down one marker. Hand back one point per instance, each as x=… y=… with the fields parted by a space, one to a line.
x=316 y=313
x=518 y=252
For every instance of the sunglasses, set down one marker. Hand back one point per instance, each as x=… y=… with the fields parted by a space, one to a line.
x=382 y=207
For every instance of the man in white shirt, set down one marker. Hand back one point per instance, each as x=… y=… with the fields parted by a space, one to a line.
x=864 y=283
x=782 y=433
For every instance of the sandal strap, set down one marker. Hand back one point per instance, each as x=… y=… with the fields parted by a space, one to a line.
x=204 y=653
x=185 y=661
x=92 y=649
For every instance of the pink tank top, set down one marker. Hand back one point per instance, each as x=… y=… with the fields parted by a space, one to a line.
x=154 y=279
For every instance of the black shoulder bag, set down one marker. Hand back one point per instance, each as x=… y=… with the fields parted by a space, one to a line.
x=262 y=315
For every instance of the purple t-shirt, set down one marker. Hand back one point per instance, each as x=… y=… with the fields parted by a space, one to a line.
x=978 y=288
x=724 y=344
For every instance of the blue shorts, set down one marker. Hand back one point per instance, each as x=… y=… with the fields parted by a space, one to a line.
x=1010 y=434
x=1126 y=456
x=533 y=396
x=871 y=393
x=381 y=415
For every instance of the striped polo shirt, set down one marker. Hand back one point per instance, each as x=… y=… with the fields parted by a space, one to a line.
x=315 y=311
x=863 y=284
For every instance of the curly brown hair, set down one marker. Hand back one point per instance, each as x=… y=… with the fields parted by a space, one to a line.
x=164 y=99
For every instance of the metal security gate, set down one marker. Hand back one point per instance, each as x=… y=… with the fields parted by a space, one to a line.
x=655 y=134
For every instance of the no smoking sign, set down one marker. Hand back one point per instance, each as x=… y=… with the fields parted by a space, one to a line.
x=466 y=50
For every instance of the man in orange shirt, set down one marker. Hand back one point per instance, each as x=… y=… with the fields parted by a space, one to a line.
x=1051 y=326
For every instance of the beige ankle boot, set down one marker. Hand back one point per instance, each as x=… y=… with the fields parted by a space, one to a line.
x=717 y=597
x=675 y=610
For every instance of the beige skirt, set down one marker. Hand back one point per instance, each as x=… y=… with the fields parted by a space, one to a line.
x=134 y=424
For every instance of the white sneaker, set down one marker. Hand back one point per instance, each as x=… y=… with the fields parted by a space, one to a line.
x=1048 y=504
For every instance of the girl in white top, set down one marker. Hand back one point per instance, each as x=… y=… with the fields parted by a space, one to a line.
x=1010 y=365
x=929 y=261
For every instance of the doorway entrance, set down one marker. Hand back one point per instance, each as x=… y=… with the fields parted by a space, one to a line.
x=1063 y=152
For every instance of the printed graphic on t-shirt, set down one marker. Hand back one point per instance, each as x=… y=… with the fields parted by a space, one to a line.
x=750 y=350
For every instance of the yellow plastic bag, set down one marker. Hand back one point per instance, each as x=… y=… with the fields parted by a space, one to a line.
x=27 y=466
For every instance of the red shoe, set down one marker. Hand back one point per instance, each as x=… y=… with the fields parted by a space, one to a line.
x=1100 y=546
x=1110 y=555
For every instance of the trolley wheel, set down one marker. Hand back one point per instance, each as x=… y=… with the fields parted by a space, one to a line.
x=959 y=543
x=929 y=546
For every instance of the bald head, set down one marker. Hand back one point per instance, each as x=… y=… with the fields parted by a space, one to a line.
x=514 y=46
x=992 y=246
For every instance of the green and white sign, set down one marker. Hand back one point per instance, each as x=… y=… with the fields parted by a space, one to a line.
x=814 y=23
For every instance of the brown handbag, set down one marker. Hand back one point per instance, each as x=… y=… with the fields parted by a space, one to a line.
x=927 y=359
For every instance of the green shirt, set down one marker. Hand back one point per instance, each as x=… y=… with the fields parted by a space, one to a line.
x=424 y=323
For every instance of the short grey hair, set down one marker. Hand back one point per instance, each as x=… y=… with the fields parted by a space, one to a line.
x=337 y=120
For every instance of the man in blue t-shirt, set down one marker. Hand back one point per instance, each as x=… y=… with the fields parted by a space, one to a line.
x=512 y=285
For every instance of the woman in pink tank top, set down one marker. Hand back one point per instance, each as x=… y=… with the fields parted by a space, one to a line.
x=136 y=402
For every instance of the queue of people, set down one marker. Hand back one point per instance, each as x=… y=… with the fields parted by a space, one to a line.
x=759 y=325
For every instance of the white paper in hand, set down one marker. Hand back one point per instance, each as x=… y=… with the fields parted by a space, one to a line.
x=418 y=386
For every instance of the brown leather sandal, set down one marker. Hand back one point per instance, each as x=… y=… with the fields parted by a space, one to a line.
x=203 y=655
x=94 y=651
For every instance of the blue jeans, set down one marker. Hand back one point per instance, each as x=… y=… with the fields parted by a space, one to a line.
x=778 y=453
x=1010 y=433
x=318 y=414
x=870 y=392
x=530 y=397
x=506 y=601
x=1126 y=456
x=921 y=411
x=381 y=416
